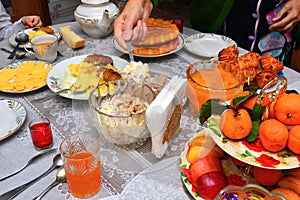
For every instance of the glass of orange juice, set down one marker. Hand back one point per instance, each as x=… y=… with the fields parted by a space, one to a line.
x=207 y=81
x=81 y=154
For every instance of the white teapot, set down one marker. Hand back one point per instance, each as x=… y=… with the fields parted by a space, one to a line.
x=96 y=17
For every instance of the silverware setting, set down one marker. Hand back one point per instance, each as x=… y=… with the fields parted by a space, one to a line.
x=30 y=161
x=18 y=56
x=57 y=162
x=60 y=178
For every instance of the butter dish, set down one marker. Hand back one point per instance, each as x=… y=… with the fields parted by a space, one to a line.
x=164 y=114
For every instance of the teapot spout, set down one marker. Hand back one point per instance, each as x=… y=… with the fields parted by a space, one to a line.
x=106 y=21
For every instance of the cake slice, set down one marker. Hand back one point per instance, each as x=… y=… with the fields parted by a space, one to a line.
x=73 y=40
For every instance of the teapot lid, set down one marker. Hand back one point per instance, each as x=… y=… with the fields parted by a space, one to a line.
x=94 y=2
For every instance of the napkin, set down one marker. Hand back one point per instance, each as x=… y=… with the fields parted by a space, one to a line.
x=164 y=113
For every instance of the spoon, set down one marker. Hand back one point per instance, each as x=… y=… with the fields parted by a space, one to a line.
x=21 y=38
x=30 y=161
x=57 y=162
x=60 y=178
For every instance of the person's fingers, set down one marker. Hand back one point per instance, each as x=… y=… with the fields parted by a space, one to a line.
x=137 y=32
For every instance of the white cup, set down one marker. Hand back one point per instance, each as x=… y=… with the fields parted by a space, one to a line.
x=44 y=47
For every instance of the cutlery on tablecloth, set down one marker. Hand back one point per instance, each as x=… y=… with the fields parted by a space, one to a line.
x=60 y=178
x=57 y=162
x=18 y=56
x=30 y=161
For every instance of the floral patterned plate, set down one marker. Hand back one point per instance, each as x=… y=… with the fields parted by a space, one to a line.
x=13 y=116
x=60 y=77
x=233 y=174
x=252 y=153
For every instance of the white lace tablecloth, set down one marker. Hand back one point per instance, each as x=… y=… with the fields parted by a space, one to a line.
x=134 y=174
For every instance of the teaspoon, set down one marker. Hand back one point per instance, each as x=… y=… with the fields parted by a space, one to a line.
x=57 y=162
x=60 y=178
x=21 y=38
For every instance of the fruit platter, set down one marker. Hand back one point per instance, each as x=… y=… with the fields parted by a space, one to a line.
x=248 y=137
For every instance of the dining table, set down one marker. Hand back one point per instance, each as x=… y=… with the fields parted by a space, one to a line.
x=125 y=174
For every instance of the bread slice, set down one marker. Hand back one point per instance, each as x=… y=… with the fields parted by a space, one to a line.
x=73 y=40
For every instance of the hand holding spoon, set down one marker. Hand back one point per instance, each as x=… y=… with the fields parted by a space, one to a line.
x=60 y=178
x=21 y=38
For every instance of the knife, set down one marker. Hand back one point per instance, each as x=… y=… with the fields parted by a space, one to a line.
x=30 y=161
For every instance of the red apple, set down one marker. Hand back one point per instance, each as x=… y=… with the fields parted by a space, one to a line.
x=204 y=165
x=210 y=184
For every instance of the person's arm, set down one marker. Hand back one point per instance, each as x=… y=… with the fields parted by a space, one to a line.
x=7 y=28
x=287 y=17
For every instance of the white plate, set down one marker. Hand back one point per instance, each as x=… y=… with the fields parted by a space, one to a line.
x=13 y=116
x=207 y=44
x=294 y=86
x=180 y=45
x=242 y=151
x=16 y=65
x=60 y=77
x=13 y=42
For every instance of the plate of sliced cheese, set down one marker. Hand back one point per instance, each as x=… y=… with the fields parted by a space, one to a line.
x=84 y=73
x=24 y=76
x=31 y=32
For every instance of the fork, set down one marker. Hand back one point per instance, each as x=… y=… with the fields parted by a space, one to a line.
x=130 y=50
x=71 y=88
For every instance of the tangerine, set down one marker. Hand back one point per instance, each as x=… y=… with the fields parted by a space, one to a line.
x=294 y=139
x=260 y=176
x=273 y=135
x=287 y=109
x=236 y=124
x=249 y=103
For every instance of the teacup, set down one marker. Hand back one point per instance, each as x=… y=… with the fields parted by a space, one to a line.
x=44 y=47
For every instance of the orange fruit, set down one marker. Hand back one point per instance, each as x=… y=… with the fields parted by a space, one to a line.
x=272 y=110
x=236 y=124
x=287 y=109
x=288 y=194
x=249 y=103
x=272 y=178
x=273 y=135
x=294 y=139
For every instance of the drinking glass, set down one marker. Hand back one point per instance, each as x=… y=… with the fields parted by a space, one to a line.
x=207 y=81
x=81 y=154
x=41 y=133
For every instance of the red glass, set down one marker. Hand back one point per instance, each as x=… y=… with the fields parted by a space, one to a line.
x=41 y=133
x=179 y=24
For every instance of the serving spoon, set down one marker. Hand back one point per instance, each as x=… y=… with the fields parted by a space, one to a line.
x=60 y=178
x=21 y=38
x=57 y=162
